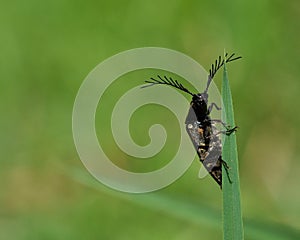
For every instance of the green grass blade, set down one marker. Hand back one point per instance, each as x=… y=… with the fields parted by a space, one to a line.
x=232 y=215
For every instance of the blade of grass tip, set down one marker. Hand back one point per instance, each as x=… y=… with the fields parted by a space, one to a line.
x=232 y=215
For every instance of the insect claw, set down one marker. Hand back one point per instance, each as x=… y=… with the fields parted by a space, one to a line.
x=230 y=131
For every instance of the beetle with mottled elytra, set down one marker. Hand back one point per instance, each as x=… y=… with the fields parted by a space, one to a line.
x=201 y=128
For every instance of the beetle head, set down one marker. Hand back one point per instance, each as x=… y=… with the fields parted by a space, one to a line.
x=200 y=99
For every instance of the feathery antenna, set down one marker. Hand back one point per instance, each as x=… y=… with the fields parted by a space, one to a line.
x=217 y=65
x=212 y=72
x=167 y=81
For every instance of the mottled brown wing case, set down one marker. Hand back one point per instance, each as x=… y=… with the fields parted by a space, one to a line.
x=208 y=146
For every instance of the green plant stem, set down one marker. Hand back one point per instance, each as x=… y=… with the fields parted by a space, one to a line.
x=232 y=215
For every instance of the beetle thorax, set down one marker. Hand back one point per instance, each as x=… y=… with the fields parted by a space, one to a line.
x=199 y=104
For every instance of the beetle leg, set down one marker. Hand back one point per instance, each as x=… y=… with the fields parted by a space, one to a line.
x=228 y=132
x=220 y=121
x=211 y=107
x=226 y=167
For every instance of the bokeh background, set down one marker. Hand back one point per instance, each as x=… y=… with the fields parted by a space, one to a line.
x=46 y=50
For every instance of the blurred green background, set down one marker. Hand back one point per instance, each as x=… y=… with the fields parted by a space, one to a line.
x=46 y=50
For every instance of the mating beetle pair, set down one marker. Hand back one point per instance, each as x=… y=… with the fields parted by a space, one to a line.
x=199 y=125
